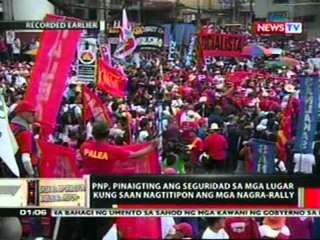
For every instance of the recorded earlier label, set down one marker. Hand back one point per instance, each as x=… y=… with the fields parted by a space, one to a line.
x=189 y=190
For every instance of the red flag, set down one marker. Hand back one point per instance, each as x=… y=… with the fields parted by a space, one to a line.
x=131 y=227
x=111 y=80
x=49 y=75
x=94 y=107
x=237 y=77
x=57 y=161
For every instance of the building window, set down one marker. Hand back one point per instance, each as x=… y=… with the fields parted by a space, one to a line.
x=81 y=1
x=79 y=13
x=93 y=14
x=280 y=1
x=305 y=19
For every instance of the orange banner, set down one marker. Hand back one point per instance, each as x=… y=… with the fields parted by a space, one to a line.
x=111 y=80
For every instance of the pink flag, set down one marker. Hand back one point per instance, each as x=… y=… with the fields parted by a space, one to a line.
x=49 y=75
x=94 y=107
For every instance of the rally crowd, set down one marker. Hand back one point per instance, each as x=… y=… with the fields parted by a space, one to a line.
x=208 y=121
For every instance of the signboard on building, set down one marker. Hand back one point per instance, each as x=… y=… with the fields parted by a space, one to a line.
x=149 y=37
x=87 y=60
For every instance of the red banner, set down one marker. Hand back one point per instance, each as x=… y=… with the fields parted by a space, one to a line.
x=57 y=161
x=220 y=45
x=94 y=107
x=49 y=75
x=111 y=80
x=131 y=227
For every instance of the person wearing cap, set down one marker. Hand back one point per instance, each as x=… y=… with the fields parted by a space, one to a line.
x=181 y=231
x=216 y=145
x=21 y=127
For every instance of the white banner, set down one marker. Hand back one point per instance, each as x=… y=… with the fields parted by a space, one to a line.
x=8 y=145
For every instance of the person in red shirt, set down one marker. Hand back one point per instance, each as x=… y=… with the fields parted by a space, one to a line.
x=216 y=145
x=99 y=157
x=26 y=157
x=242 y=228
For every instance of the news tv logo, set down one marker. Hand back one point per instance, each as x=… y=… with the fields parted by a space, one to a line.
x=277 y=28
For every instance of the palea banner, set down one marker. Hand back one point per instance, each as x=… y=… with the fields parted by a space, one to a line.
x=149 y=37
x=87 y=60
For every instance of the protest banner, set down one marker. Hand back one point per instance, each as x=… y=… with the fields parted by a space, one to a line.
x=111 y=80
x=8 y=145
x=172 y=49
x=219 y=45
x=94 y=107
x=190 y=51
x=307 y=121
x=57 y=161
x=263 y=156
x=148 y=37
x=49 y=76
x=130 y=226
x=87 y=60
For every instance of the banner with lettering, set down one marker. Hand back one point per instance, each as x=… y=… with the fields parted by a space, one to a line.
x=307 y=121
x=190 y=51
x=172 y=49
x=87 y=60
x=148 y=37
x=57 y=161
x=220 y=45
x=111 y=80
x=94 y=108
x=263 y=156
x=49 y=76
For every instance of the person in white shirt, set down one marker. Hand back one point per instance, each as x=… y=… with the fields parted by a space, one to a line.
x=215 y=229
x=304 y=163
x=16 y=49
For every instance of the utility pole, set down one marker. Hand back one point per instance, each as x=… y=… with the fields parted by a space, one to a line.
x=140 y=11
x=251 y=11
x=199 y=14
x=176 y=11
x=234 y=10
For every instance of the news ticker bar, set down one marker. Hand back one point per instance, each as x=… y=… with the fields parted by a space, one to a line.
x=152 y=191
x=53 y=25
x=84 y=212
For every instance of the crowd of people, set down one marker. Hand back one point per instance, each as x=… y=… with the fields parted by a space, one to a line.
x=208 y=121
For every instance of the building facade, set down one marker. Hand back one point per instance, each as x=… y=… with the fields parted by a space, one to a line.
x=20 y=10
